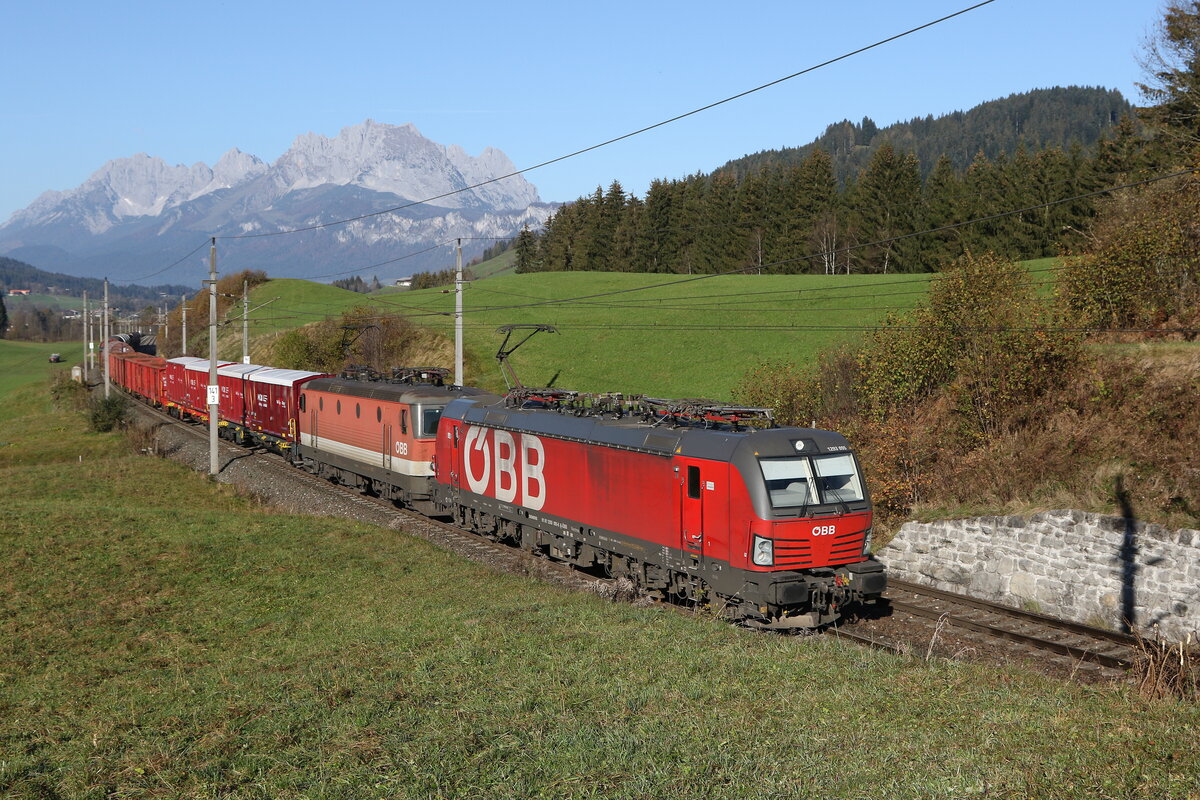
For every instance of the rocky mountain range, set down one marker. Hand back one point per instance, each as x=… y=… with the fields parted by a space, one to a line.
x=138 y=214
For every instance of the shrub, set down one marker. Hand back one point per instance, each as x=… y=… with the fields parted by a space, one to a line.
x=107 y=413
x=982 y=338
x=1142 y=269
x=824 y=394
x=360 y=336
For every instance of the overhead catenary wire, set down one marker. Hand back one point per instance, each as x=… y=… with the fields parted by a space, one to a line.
x=629 y=135
x=173 y=264
x=622 y=137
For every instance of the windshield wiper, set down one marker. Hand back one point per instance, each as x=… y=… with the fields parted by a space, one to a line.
x=838 y=499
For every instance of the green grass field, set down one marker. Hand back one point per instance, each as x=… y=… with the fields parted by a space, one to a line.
x=60 y=301
x=163 y=637
x=299 y=302
x=503 y=264
x=666 y=335
x=688 y=337
x=25 y=362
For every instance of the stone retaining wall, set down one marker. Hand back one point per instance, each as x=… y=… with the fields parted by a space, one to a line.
x=1086 y=567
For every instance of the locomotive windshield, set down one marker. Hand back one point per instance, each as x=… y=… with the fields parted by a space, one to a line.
x=804 y=481
x=428 y=421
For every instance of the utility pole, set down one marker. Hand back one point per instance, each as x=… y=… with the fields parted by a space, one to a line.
x=104 y=344
x=183 y=338
x=87 y=339
x=214 y=392
x=458 y=316
x=245 y=322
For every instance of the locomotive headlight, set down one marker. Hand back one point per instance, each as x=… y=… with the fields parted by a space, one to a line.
x=763 y=552
x=867 y=543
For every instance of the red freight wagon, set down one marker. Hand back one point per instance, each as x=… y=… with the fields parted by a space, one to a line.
x=231 y=379
x=145 y=376
x=373 y=434
x=776 y=517
x=116 y=352
x=176 y=382
x=273 y=403
x=195 y=389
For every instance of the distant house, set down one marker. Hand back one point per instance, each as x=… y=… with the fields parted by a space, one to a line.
x=404 y=283
x=18 y=291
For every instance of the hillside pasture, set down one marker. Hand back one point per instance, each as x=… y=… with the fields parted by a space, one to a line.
x=669 y=335
x=656 y=334
x=60 y=302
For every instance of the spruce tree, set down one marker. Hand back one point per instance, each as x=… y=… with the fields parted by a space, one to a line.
x=3 y=314
x=943 y=206
x=754 y=217
x=1172 y=64
x=527 y=250
x=885 y=201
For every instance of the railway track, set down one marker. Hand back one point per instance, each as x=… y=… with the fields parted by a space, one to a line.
x=1096 y=649
x=382 y=512
x=1100 y=652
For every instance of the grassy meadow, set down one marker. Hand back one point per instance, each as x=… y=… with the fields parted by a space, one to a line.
x=59 y=301
x=164 y=636
x=670 y=335
x=23 y=362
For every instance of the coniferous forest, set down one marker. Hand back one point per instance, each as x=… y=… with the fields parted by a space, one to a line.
x=906 y=198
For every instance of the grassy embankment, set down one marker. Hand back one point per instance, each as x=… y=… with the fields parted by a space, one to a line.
x=685 y=339
x=186 y=642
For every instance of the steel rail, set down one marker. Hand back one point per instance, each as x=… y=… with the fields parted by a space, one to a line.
x=1086 y=652
x=1016 y=613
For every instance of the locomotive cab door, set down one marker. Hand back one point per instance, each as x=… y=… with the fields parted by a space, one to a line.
x=388 y=446
x=691 y=527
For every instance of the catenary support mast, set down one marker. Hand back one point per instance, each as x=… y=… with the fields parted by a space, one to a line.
x=214 y=393
x=458 y=316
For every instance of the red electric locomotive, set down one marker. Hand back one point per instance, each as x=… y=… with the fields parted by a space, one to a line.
x=373 y=433
x=771 y=525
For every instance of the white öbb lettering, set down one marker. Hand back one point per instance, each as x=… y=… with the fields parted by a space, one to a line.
x=824 y=530
x=504 y=456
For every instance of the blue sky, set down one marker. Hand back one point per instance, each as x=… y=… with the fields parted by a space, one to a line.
x=86 y=82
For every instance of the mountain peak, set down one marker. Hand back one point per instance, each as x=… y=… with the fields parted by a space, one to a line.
x=398 y=160
x=139 y=205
